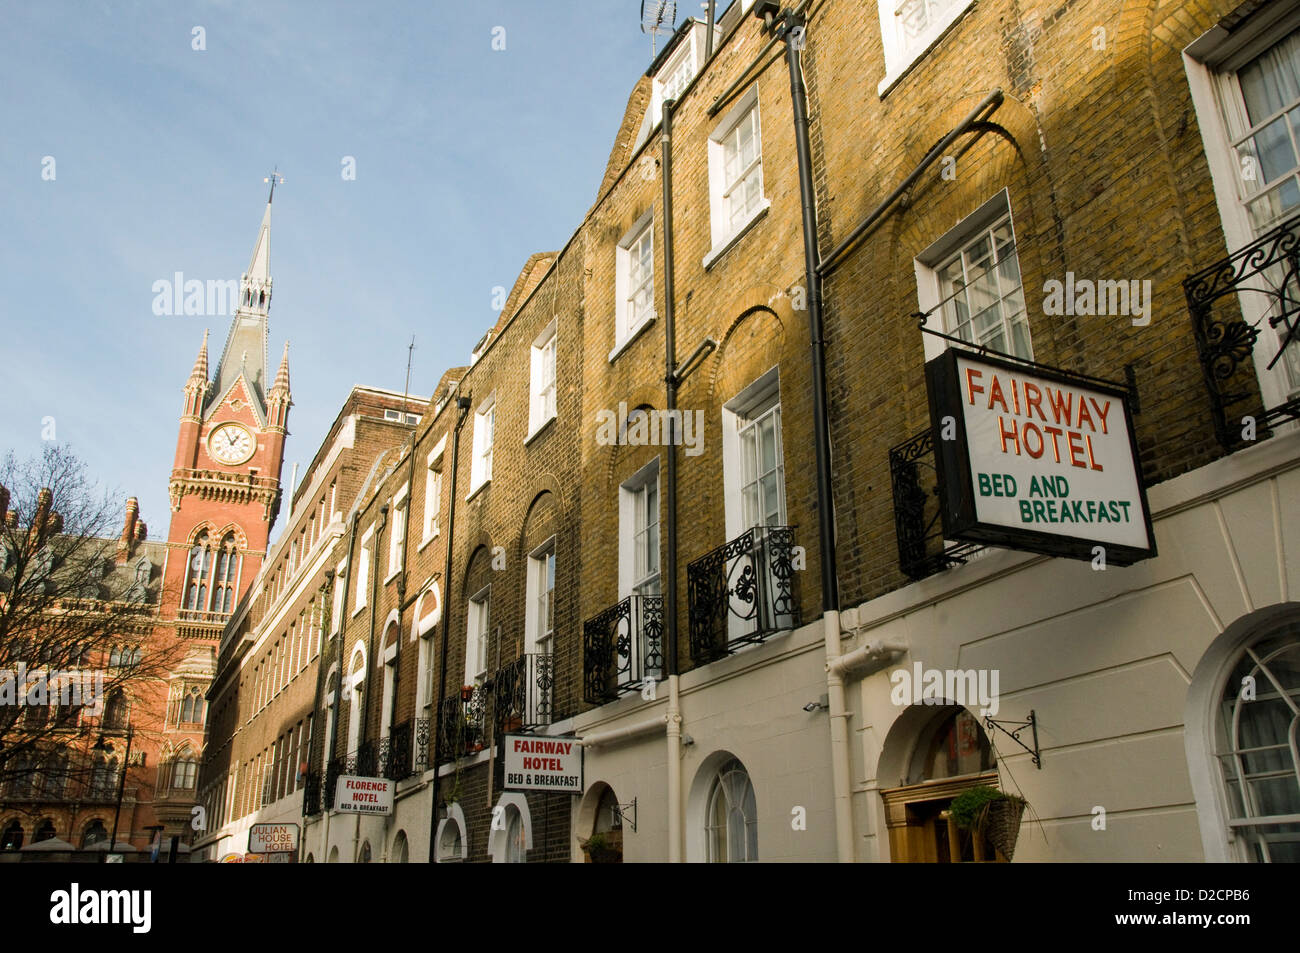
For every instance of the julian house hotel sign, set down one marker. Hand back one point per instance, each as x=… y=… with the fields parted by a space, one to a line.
x=1036 y=459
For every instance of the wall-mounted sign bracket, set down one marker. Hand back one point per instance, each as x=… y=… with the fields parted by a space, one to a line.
x=1014 y=735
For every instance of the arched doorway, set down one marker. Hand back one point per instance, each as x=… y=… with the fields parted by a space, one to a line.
x=937 y=753
x=600 y=824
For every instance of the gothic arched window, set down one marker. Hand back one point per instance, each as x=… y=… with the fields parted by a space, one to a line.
x=732 y=820
x=199 y=574
x=192 y=707
x=223 y=597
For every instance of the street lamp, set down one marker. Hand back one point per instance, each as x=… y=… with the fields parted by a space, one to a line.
x=102 y=745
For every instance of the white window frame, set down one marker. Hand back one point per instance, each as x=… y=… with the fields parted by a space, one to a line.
x=929 y=261
x=484 y=444
x=902 y=54
x=722 y=234
x=543 y=388
x=388 y=704
x=537 y=638
x=397 y=534
x=499 y=847
x=432 y=493
x=626 y=327
x=1212 y=62
x=363 y=571
x=754 y=402
x=631 y=496
x=478 y=622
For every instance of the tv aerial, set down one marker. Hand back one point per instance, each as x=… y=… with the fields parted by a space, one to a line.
x=657 y=19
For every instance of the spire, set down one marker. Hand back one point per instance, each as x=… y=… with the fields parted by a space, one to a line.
x=200 y=372
x=281 y=385
x=245 y=350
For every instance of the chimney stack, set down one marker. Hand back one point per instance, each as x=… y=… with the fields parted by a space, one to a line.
x=38 y=527
x=4 y=503
x=128 y=530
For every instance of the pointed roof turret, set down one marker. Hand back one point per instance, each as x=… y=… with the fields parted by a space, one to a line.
x=200 y=372
x=245 y=350
x=281 y=385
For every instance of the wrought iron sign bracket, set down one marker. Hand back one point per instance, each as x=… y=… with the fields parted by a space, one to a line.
x=1014 y=735
x=622 y=811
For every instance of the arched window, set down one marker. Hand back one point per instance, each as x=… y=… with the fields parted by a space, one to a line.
x=192 y=707
x=94 y=834
x=364 y=856
x=451 y=836
x=115 y=710
x=516 y=844
x=44 y=832
x=199 y=574
x=184 y=771
x=103 y=777
x=12 y=839
x=115 y=657
x=401 y=849
x=55 y=775
x=223 y=593
x=1256 y=737
x=732 y=819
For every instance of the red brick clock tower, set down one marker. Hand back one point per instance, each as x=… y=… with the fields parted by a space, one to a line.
x=225 y=482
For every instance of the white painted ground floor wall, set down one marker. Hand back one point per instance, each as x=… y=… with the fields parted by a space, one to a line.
x=1122 y=667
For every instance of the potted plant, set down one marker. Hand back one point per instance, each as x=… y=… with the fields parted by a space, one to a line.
x=466 y=693
x=600 y=850
x=988 y=812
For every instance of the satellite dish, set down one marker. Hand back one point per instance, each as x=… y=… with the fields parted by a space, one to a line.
x=657 y=18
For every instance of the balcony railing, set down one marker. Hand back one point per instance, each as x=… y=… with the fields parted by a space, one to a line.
x=742 y=592
x=460 y=725
x=311 y=794
x=522 y=693
x=622 y=648
x=395 y=753
x=1268 y=268
x=922 y=550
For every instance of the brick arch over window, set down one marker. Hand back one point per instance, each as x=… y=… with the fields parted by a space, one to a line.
x=755 y=342
x=625 y=460
x=540 y=523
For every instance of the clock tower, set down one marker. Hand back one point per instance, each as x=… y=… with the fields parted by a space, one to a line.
x=225 y=481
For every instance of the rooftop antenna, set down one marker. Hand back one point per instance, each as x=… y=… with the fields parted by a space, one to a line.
x=406 y=388
x=658 y=17
x=273 y=178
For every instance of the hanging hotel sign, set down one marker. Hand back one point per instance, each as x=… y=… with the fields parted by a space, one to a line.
x=538 y=763
x=1036 y=459
x=356 y=795
x=272 y=838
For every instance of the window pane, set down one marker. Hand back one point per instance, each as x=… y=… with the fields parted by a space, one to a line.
x=1273 y=80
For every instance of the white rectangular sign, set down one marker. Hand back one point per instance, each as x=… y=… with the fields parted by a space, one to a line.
x=535 y=763
x=356 y=795
x=272 y=838
x=1051 y=457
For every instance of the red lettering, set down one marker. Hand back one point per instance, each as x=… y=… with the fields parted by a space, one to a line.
x=1102 y=411
x=1004 y=433
x=1083 y=412
x=971 y=388
x=1055 y=432
x=995 y=394
x=1092 y=461
x=1062 y=405
x=1076 y=450
x=1034 y=401
x=1033 y=428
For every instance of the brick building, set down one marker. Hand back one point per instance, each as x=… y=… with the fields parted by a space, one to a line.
x=225 y=495
x=724 y=620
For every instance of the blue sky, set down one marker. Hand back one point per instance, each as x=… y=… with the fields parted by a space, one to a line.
x=468 y=159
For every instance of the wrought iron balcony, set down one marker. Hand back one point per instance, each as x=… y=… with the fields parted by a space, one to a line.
x=917 y=524
x=1269 y=270
x=460 y=725
x=311 y=794
x=422 y=730
x=395 y=753
x=742 y=592
x=522 y=693
x=622 y=648
x=336 y=768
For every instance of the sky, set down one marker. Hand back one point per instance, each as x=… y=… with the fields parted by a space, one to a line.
x=128 y=155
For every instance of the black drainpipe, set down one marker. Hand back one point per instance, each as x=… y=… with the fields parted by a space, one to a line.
x=463 y=405
x=821 y=427
x=670 y=379
x=327 y=592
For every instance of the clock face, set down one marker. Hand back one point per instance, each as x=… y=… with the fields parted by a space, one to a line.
x=231 y=444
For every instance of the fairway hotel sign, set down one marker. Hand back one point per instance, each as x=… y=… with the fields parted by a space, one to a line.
x=1036 y=459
